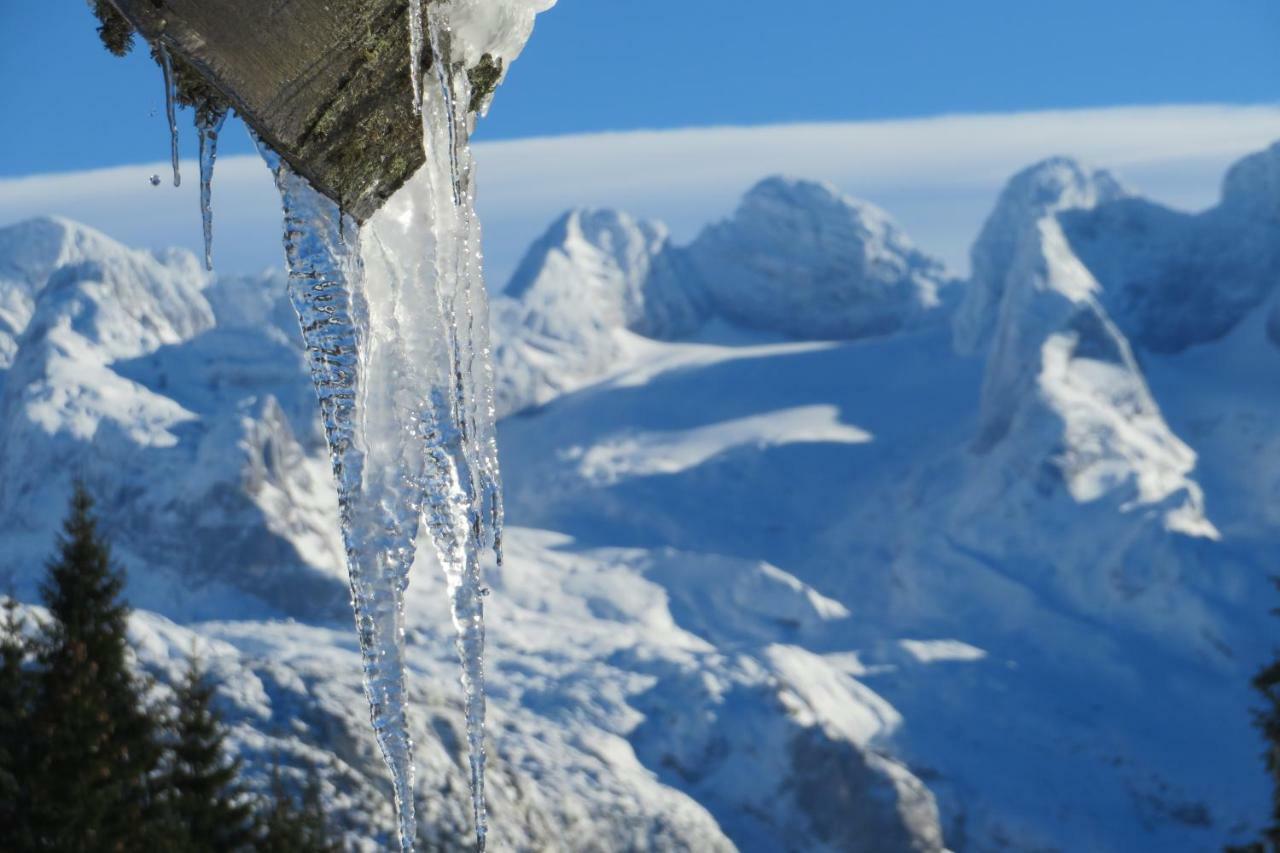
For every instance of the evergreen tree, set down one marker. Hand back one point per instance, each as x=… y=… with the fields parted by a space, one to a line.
x=1267 y=682
x=94 y=742
x=203 y=782
x=292 y=827
x=16 y=684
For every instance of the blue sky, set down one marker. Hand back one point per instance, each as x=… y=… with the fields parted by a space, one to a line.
x=625 y=64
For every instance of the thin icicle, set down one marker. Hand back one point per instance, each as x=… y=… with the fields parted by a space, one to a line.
x=170 y=108
x=208 y=125
x=415 y=52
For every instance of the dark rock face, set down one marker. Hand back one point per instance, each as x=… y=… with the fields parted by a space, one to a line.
x=842 y=791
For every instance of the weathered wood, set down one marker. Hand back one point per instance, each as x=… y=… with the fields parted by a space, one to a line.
x=323 y=82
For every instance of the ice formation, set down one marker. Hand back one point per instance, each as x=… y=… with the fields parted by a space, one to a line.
x=208 y=126
x=395 y=319
x=170 y=109
x=415 y=52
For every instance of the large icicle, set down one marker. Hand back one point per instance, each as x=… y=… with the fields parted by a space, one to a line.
x=208 y=126
x=171 y=109
x=395 y=319
x=447 y=125
x=379 y=499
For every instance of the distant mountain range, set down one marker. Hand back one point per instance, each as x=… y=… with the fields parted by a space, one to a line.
x=815 y=546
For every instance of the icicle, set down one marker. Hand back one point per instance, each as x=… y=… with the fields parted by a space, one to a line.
x=446 y=134
x=395 y=318
x=208 y=125
x=380 y=506
x=415 y=52
x=170 y=108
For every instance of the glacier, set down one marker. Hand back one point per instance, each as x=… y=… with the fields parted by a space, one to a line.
x=764 y=588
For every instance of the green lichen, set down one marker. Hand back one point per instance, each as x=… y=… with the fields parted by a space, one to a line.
x=193 y=90
x=484 y=79
x=113 y=28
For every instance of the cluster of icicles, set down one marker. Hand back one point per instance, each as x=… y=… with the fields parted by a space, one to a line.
x=395 y=320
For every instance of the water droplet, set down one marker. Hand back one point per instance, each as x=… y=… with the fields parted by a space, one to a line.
x=154 y=180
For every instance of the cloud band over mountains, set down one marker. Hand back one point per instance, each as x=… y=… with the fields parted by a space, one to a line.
x=937 y=176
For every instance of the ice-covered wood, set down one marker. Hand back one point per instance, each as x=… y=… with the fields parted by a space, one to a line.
x=325 y=82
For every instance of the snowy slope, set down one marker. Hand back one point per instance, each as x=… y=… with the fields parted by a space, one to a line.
x=787 y=572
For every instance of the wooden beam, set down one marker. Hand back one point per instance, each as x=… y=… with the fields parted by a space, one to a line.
x=323 y=82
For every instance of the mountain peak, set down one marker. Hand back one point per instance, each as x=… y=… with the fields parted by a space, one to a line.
x=801 y=258
x=814 y=206
x=33 y=248
x=1045 y=189
x=594 y=274
x=598 y=235
x=1060 y=183
x=1252 y=185
x=801 y=192
x=31 y=251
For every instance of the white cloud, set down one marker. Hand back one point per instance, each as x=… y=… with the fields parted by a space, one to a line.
x=938 y=176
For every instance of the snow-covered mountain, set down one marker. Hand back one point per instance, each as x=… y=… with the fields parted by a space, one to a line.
x=797 y=258
x=814 y=547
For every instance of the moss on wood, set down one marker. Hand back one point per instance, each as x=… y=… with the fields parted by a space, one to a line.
x=193 y=90
x=328 y=88
x=113 y=28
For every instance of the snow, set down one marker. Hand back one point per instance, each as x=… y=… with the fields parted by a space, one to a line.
x=1043 y=190
x=941 y=651
x=760 y=593
x=1151 y=259
x=499 y=29
x=674 y=451
x=801 y=258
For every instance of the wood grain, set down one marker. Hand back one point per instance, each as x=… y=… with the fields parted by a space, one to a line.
x=324 y=82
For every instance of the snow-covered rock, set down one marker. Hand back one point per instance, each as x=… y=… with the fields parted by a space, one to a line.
x=801 y=258
x=1040 y=191
x=564 y=317
x=1173 y=279
x=798 y=258
x=29 y=252
x=124 y=380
